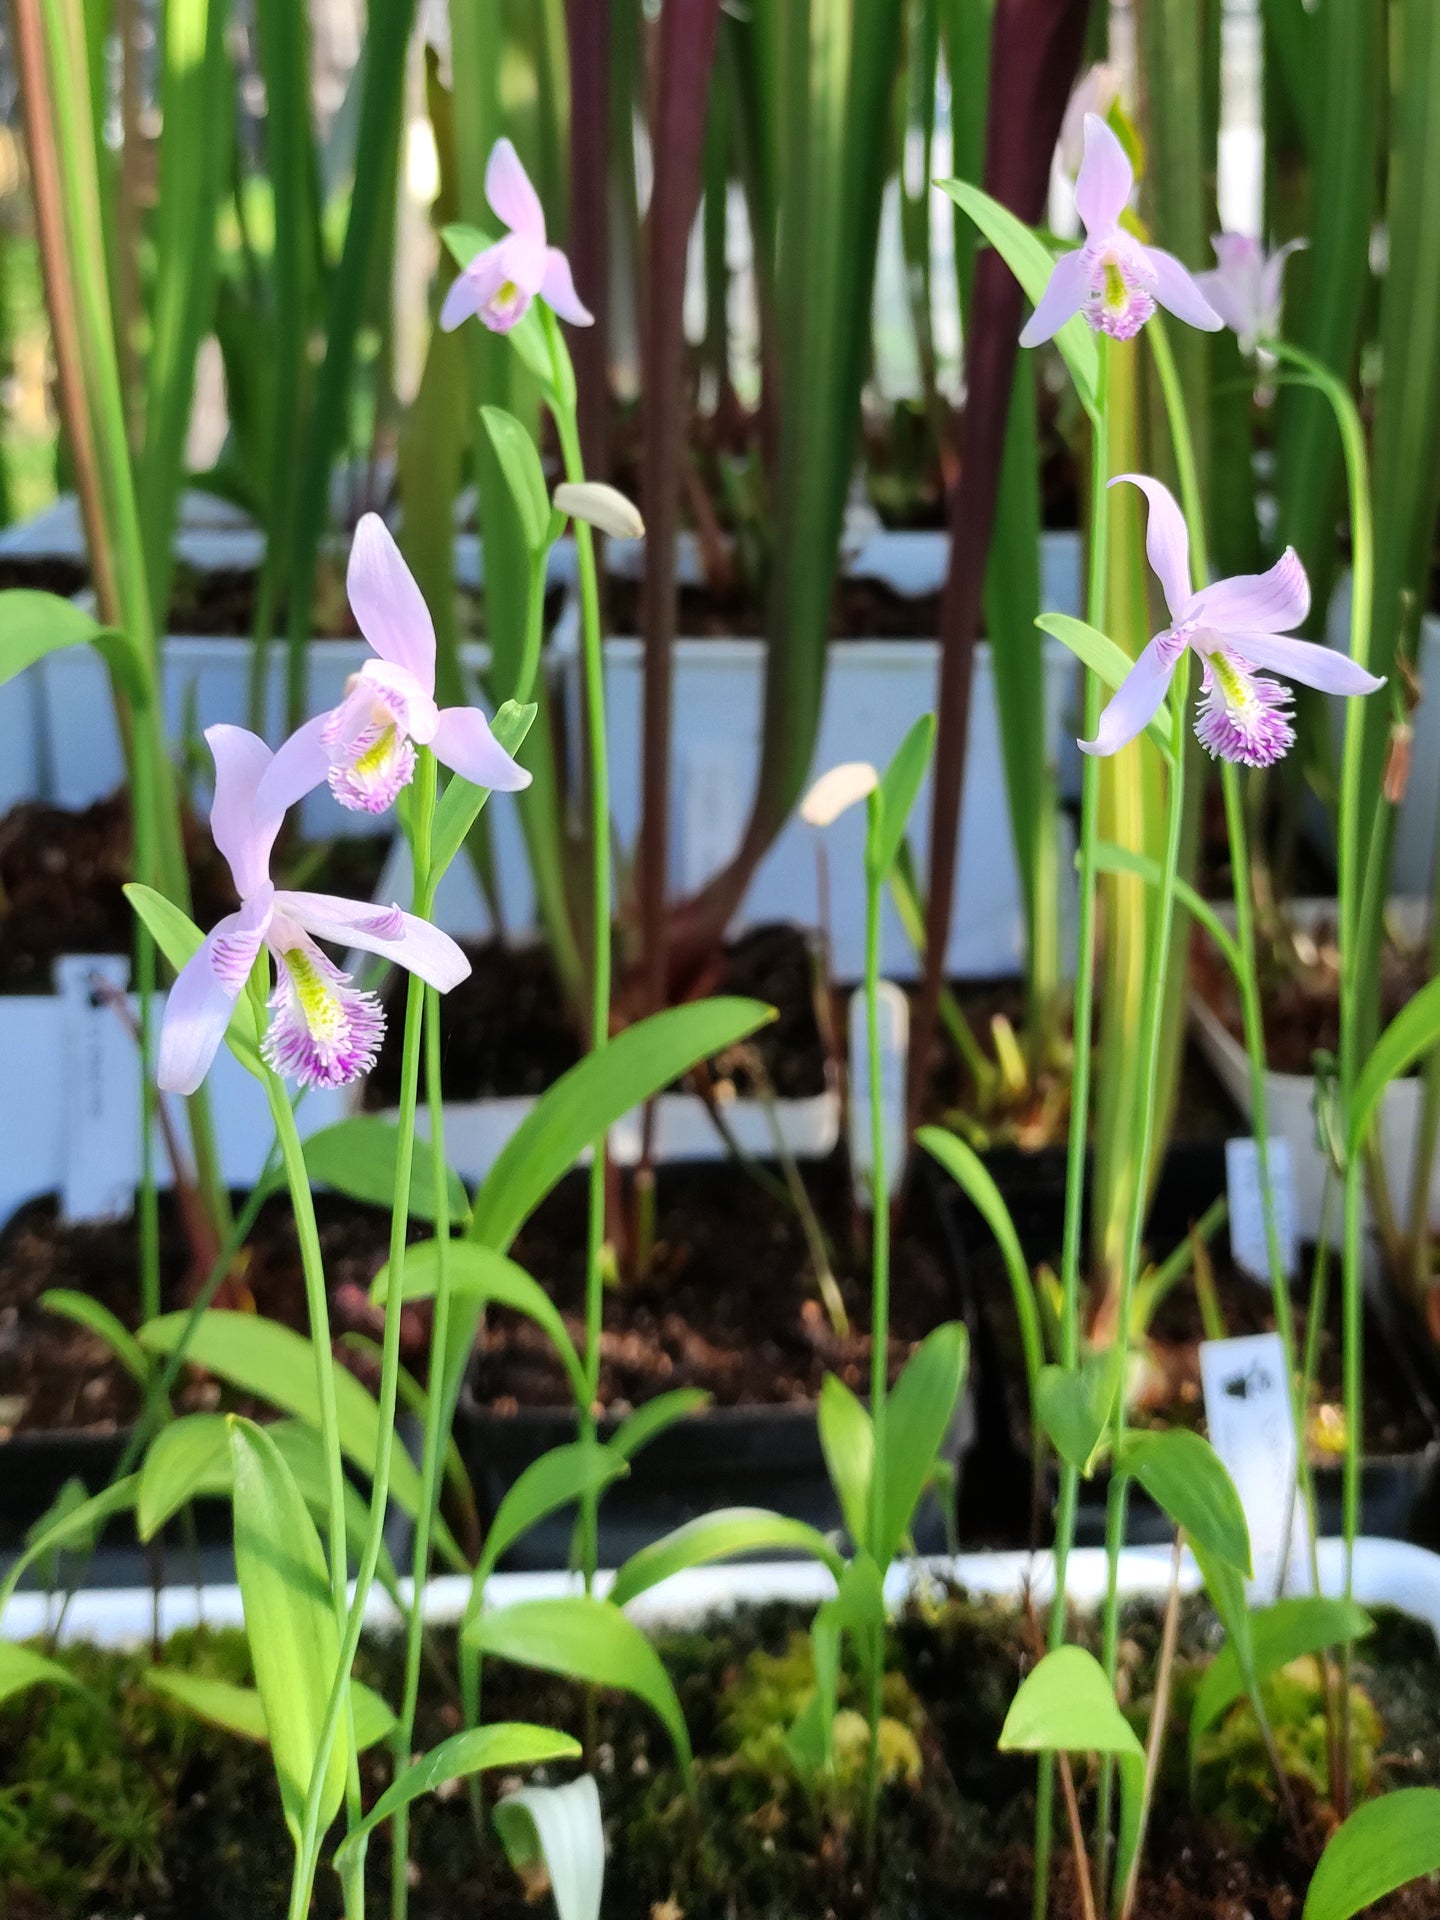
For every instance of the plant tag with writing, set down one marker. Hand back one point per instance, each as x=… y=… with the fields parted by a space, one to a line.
x=101 y=1091
x=1248 y=1240
x=894 y=1011
x=1248 y=1413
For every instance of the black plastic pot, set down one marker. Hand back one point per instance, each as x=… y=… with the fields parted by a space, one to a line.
x=1400 y=1493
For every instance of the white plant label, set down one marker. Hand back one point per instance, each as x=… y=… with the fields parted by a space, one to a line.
x=101 y=1091
x=1248 y=1240
x=894 y=1010
x=712 y=823
x=1247 y=1410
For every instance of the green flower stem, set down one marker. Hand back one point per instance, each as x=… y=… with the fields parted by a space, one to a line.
x=879 y=1295
x=433 y=1456
x=1080 y=1078
x=353 y=1620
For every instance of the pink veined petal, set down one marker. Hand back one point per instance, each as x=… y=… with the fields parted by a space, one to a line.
x=388 y=605
x=1105 y=180
x=1269 y=602
x=242 y=760
x=413 y=709
x=508 y=189
x=1272 y=278
x=1137 y=699
x=1174 y=287
x=473 y=287
x=464 y=742
x=400 y=937
x=557 y=289
x=1303 y=660
x=1063 y=297
x=1167 y=542
x=199 y=1005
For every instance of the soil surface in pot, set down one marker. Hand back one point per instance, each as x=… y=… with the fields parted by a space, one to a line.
x=730 y=1303
x=63 y=873
x=58 y=1376
x=507 y=1030
x=142 y=1809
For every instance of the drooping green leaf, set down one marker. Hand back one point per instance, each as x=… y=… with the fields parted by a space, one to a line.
x=506 y=1744
x=179 y=939
x=1385 y=1844
x=34 y=624
x=357 y=1157
x=1184 y=1476
x=92 y=1314
x=1112 y=859
x=1031 y=262
x=1074 y=1405
x=1414 y=1031
x=22 y=1668
x=720 y=1536
x=560 y=1829
x=847 y=1440
x=589 y=1640
x=520 y=463
x=638 y=1429
x=1107 y=660
x=917 y=1417
x=240 y=1710
x=289 y=1618
x=460 y=804
x=69 y=1526
x=601 y=1089
x=1305 y=1624
x=557 y=1479
x=895 y=796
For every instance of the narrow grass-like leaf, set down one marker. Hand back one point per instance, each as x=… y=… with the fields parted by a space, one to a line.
x=847 y=1439
x=918 y=1413
x=638 y=1429
x=92 y=1314
x=1105 y=659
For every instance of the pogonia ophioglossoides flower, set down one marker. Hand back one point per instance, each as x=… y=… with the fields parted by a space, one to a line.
x=1115 y=280
x=502 y=280
x=1246 y=288
x=323 y=1032
x=389 y=706
x=1236 y=627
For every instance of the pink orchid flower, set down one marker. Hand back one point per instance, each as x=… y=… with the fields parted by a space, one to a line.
x=1246 y=288
x=1235 y=626
x=502 y=280
x=389 y=706
x=1114 y=279
x=324 y=1033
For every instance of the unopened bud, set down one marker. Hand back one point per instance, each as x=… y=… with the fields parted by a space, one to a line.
x=836 y=790
x=602 y=507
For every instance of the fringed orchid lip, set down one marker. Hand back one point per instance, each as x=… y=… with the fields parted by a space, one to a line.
x=324 y=1032
x=1237 y=627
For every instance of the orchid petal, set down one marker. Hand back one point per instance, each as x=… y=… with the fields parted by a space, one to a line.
x=1220 y=289
x=1106 y=178
x=473 y=287
x=1167 y=542
x=1270 y=602
x=242 y=760
x=199 y=1005
x=1237 y=253
x=1174 y=287
x=1063 y=297
x=300 y=764
x=413 y=709
x=1272 y=277
x=1303 y=660
x=400 y=937
x=510 y=194
x=387 y=603
x=1137 y=699
x=464 y=742
x=557 y=289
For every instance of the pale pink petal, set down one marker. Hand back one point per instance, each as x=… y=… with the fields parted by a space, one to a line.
x=464 y=742
x=1272 y=278
x=1237 y=252
x=1137 y=699
x=474 y=287
x=1174 y=287
x=300 y=764
x=557 y=289
x=242 y=760
x=1105 y=180
x=1270 y=602
x=1221 y=290
x=1063 y=297
x=1314 y=666
x=1167 y=542
x=508 y=189
x=199 y=1005
x=388 y=605
x=398 y=936
x=401 y=694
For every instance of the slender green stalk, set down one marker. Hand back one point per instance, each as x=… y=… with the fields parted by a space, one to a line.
x=879 y=1297
x=1080 y=1080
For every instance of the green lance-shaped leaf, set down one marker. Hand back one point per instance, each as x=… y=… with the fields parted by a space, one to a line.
x=588 y=1640
x=557 y=1479
x=1305 y=1624
x=34 y=624
x=289 y=1619
x=895 y=797
x=1112 y=859
x=1183 y=1475
x=601 y=1089
x=520 y=464
x=22 y=1668
x=560 y=1829
x=69 y=1525
x=918 y=1415
x=241 y=1711
x=847 y=1440
x=1074 y=1405
x=720 y=1536
x=1383 y=1845
x=1107 y=660
x=644 y=1426
x=506 y=1744
x=1413 y=1032
x=461 y=802
x=1031 y=262
x=357 y=1157
x=96 y=1318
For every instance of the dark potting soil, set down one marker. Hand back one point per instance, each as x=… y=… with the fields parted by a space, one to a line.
x=141 y=1809
x=57 y=1376
x=62 y=875
x=862 y=609
x=507 y=1030
x=730 y=1303
x=42 y=573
